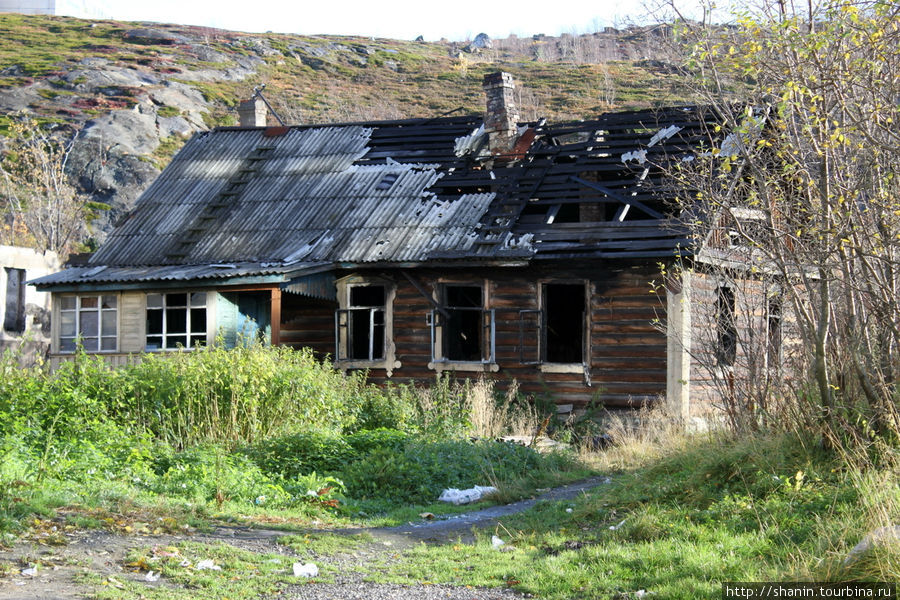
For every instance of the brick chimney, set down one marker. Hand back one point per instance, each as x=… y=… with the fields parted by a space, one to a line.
x=502 y=117
x=252 y=112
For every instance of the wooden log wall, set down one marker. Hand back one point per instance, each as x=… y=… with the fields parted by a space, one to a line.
x=627 y=350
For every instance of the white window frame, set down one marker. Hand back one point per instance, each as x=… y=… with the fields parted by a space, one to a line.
x=188 y=335
x=77 y=311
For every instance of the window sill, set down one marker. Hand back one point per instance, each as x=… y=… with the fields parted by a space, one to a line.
x=472 y=367
x=387 y=365
x=574 y=368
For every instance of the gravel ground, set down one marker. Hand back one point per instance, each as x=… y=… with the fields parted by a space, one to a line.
x=104 y=553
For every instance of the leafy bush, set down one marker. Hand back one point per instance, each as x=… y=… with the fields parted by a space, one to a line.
x=209 y=473
x=419 y=471
x=368 y=440
x=301 y=453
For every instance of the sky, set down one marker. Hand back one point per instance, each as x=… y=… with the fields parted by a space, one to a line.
x=455 y=20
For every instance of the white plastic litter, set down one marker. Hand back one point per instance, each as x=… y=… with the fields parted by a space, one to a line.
x=474 y=494
x=152 y=576
x=305 y=570
x=615 y=527
x=30 y=572
x=569 y=510
x=496 y=542
x=209 y=565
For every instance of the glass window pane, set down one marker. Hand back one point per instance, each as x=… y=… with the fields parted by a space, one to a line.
x=89 y=344
x=176 y=299
x=174 y=341
x=108 y=323
x=67 y=303
x=154 y=343
x=176 y=320
x=198 y=299
x=67 y=323
x=154 y=322
x=67 y=344
x=108 y=343
x=154 y=300
x=109 y=302
x=89 y=302
x=88 y=323
x=198 y=320
x=198 y=340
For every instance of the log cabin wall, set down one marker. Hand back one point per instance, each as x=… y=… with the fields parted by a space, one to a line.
x=626 y=349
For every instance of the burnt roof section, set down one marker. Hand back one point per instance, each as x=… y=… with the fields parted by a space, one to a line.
x=408 y=191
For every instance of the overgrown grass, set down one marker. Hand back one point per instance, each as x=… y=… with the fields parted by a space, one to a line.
x=252 y=434
x=711 y=509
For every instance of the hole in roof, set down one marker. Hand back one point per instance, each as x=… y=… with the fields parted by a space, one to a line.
x=387 y=181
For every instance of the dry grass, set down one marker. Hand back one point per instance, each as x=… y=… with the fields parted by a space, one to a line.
x=492 y=417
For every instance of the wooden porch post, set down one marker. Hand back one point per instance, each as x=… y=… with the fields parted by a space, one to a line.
x=276 y=315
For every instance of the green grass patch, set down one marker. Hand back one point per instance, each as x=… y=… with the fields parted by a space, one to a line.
x=776 y=508
x=240 y=575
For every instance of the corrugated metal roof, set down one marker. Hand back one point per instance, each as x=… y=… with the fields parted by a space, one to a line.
x=401 y=191
x=219 y=271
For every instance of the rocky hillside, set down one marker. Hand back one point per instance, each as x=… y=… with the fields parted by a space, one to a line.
x=134 y=92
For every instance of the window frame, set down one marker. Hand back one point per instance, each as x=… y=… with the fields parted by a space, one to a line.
x=726 y=347
x=78 y=337
x=188 y=335
x=539 y=322
x=436 y=318
x=343 y=318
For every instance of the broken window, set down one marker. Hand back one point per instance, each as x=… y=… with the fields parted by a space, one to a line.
x=726 y=327
x=14 y=317
x=361 y=326
x=563 y=323
x=176 y=320
x=90 y=320
x=466 y=328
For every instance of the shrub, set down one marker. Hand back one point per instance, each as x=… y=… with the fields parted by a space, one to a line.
x=209 y=473
x=419 y=471
x=367 y=441
x=299 y=454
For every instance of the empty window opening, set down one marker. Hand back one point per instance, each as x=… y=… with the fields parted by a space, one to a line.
x=366 y=322
x=464 y=328
x=564 y=323
x=176 y=320
x=726 y=328
x=14 y=317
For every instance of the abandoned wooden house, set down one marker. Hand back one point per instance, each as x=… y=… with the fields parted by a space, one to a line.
x=477 y=245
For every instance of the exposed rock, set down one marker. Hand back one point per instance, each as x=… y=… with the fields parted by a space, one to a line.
x=207 y=54
x=131 y=131
x=419 y=39
x=154 y=36
x=482 y=40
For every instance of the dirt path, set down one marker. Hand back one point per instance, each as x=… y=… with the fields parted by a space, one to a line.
x=104 y=553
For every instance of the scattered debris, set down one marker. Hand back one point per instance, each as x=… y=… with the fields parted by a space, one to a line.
x=305 y=570
x=208 y=565
x=152 y=576
x=427 y=516
x=474 y=494
x=30 y=571
x=496 y=542
x=879 y=537
x=616 y=527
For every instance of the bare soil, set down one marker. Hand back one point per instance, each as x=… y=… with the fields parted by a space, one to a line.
x=104 y=553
